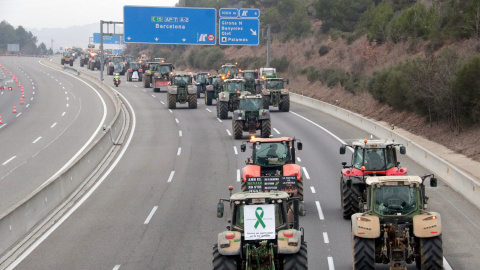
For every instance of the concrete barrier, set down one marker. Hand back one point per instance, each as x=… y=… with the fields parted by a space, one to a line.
x=26 y=216
x=456 y=178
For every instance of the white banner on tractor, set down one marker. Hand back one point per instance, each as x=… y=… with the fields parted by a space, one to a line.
x=135 y=75
x=259 y=222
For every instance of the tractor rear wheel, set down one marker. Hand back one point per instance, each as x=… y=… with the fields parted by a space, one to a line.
x=110 y=71
x=146 y=81
x=192 y=101
x=431 y=253
x=363 y=253
x=172 y=101
x=208 y=97
x=350 y=199
x=71 y=63
x=62 y=61
x=81 y=63
x=266 y=102
x=285 y=103
x=266 y=128
x=237 y=127
x=300 y=189
x=223 y=262
x=297 y=261
x=198 y=91
x=223 y=113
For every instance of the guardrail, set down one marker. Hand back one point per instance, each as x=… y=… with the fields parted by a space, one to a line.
x=456 y=178
x=30 y=214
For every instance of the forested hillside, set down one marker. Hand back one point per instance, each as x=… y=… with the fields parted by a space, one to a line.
x=26 y=40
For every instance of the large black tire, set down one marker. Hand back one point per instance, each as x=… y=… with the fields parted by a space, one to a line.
x=266 y=102
x=146 y=81
x=363 y=253
x=81 y=64
x=223 y=113
x=110 y=71
x=237 y=128
x=349 y=199
x=285 y=103
x=198 y=91
x=222 y=262
x=71 y=63
x=140 y=75
x=431 y=253
x=192 y=101
x=300 y=190
x=208 y=97
x=156 y=89
x=297 y=261
x=62 y=61
x=172 y=101
x=266 y=128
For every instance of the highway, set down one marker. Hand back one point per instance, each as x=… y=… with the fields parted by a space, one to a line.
x=157 y=208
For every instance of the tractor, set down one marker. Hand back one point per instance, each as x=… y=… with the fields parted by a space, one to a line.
x=157 y=75
x=134 y=71
x=213 y=88
x=251 y=117
x=229 y=71
x=228 y=100
x=117 y=65
x=201 y=81
x=182 y=90
x=275 y=94
x=394 y=226
x=67 y=58
x=263 y=233
x=272 y=167
x=252 y=82
x=370 y=157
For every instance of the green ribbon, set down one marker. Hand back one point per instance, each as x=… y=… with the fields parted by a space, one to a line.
x=259 y=218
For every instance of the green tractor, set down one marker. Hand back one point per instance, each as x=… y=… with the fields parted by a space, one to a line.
x=157 y=75
x=229 y=71
x=252 y=81
x=182 y=90
x=275 y=94
x=116 y=65
x=263 y=233
x=213 y=88
x=394 y=226
x=228 y=100
x=251 y=117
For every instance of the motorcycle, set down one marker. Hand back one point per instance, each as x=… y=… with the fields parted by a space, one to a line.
x=116 y=82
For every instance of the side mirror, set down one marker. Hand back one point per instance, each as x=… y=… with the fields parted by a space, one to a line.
x=403 y=150
x=243 y=147
x=433 y=182
x=344 y=164
x=342 y=150
x=220 y=208
x=288 y=81
x=299 y=146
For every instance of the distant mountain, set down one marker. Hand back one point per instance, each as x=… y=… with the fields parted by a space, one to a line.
x=77 y=36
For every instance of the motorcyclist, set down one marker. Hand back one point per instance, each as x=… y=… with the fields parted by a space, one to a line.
x=116 y=77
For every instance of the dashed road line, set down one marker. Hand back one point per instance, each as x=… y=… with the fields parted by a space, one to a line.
x=153 y=95
x=306 y=173
x=330 y=263
x=313 y=189
x=219 y=120
x=278 y=132
x=18 y=114
x=10 y=159
x=37 y=139
x=179 y=151
x=325 y=238
x=176 y=120
x=299 y=160
x=170 y=111
x=238 y=175
x=208 y=109
x=235 y=150
x=320 y=212
x=54 y=124
x=63 y=113
x=171 y=176
x=116 y=267
x=180 y=133
x=150 y=215
x=229 y=134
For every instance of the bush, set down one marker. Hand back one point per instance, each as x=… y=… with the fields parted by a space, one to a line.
x=466 y=85
x=281 y=64
x=206 y=58
x=332 y=77
x=313 y=75
x=324 y=49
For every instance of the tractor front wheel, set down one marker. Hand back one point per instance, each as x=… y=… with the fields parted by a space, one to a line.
x=363 y=253
x=297 y=261
x=223 y=262
x=285 y=103
x=237 y=126
x=431 y=253
x=223 y=113
x=192 y=101
x=350 y=198
x=266 y=128
x=172 y=101
x=208 y=97
x=266 y=102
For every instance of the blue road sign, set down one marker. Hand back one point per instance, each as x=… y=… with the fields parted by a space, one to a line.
x=170 y=25
x=239 y=26
x=107 y=39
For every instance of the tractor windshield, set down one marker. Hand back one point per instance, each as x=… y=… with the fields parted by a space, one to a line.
x=271 y=154
x=229 y=70
x=118 y=59
x=164 y=69
x=216 y=80
x=277 y=84
x=240 y=220
x=67 y=54
x=235 y=86
x=250 y=104
x=376 y=159
x=395 y=200
x=202 y=78
x=182 y=80
x=134 y=65
x=250 y=75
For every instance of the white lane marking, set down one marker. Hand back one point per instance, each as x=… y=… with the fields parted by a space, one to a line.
x=235 y=150
x=171 y=176
x=162 y=102
x=219 y=120
x=18 y=114
x=145 y=91
x=3 y=125
x=208 y=109
x=54 y=124
x=27 y=105
x=67 y=105
x=6 y=162
x=116 y=267
x=176 y=120
x=65 y=92
x=64 y=88
x=153 y=95
x=68 y=98
x=37 y=139
x=150 y=215
x=238 y=175
x=319 y=208
x=198 y=103
x=299 y=160
x=317 y=125
x=278 y=132
x=446 y=265
x=229 y=134
x=135 y=85
x=33 y=91
x=330 y=263
x=313 y=189
x=170 y=111
x=31 y=98
x=325 y=238
x=63 y=113
x=180 y=133
x=306 y=173
x=179 y=151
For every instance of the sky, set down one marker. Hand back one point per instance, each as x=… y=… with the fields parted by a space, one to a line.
x=38 y=14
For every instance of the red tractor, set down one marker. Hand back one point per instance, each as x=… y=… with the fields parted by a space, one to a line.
x=369 y=158
x=272 y=167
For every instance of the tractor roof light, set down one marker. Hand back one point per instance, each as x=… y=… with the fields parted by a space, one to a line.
x=363 y=168
x=365 y=141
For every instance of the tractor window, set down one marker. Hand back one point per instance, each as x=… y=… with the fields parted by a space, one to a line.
x=154 y=67
x=240 y=221
x=395 y=200
x=182 y=79
x=118 y=59
x=374 y=159
x=250 y=104
x=274 y=85
x=228 y=70
x=271 y=154
x=202 y=78
x=216 y=80
x=235 y=86
x=134 y=65
x=165 y=69
x=250 y=75
x=390 y=157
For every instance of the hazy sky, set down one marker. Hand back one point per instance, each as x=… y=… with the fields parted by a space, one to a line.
x=39 y=14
